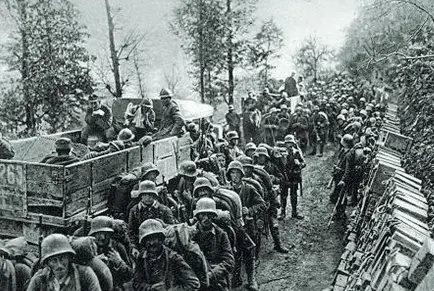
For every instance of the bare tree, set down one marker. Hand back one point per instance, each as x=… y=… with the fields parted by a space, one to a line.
x=172 y=78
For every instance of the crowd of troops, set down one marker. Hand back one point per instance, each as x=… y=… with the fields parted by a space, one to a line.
x=196 y=231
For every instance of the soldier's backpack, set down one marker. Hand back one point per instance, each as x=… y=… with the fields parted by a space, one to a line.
x=119 y=196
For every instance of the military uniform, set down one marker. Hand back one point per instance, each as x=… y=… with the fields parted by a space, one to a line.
x=300 y=126
x=100 y=125
x=6 y=150
x=319 y=136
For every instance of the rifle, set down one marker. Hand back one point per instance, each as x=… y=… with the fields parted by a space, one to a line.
x=41 y=237
x=341 y=200
x=330 y=183
x=164 y=198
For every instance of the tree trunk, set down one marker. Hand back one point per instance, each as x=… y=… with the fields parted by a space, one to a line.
x=201 y=54
x=230 y=58
x=113 y=53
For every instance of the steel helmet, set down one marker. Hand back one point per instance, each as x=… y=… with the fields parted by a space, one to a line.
x=350 y=99
x=149 y=167
x=362 y=100
x=126 y=135
x=262 y=151
x=344 y=111
x=101 y=224
x=150 y=227
x=284 y=94
x=273 y=110
x=341 y=117
x=344 y=105
x=347 y=140
x=316 y=108
x=235 y=165
x=245 y=161
x=147 y=103
x=145 y=187
x=232 y=135
x=165 y=93
x=202 y=182
x=364 y=112
x=250 y=146
x=205 y=205
x=188 y=168
x=53 y=245
x=290 y=139
x=231 y=107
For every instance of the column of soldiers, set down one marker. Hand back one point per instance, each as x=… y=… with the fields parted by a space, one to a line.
x=197 y=231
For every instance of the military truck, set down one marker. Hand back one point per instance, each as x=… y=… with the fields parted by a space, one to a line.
x=40 y=198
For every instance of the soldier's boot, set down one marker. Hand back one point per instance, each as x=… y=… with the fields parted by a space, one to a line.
x=237 y=280
x=283 y=202
x=294 y=207
x=321 y=149
x=313 y=152
x=249 y=262
x=277 y=243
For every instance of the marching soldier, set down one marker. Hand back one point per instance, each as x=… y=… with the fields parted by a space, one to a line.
x=300 y=125
x=111 y=252
x=294 y=162
x=232 y=148
x=253 y=205
x=147 y=208
x=270 y=126
x=58 y=272
x=250 y=149
x=215 y=245
x=158 y=267
x=233 y=119
x=339 y=169
x=320 y=124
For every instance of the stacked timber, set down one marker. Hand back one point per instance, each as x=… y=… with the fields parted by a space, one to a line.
x=388 y=244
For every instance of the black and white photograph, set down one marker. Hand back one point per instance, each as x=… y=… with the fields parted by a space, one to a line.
x=216 y=145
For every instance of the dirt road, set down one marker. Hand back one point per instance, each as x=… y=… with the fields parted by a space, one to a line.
x=310 y=264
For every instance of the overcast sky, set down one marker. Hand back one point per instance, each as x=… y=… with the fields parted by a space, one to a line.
x=298 y=19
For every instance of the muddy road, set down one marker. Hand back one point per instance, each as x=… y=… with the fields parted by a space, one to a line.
x=310 y=264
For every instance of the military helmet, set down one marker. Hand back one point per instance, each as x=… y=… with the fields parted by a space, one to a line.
x=364 y=112
x=341 y=117
x=266 y=146
x=117 y=145
x=150 y=227
x=205 y=205
x=316 y=108
x=347 y=140
x=101 y=224
x=232 y=135
x=250 y=146
x=149 y=167
x=235 y=165
x=145 y=187
x=147 y=103
x=245 y=161
x=280 y=144
x=93 y=97
x=231 y=107
x=188 y=168
x=53 y=245
x=362 y=100
x=126 y=135
x=202 y=182
x=165 y=93
x=261 y=151
x=63 y=143
x=344 y=111
x=290 y=139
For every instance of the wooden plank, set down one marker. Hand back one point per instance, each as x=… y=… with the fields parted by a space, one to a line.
x=76 y=195
x=13 y=189
x=75 y=207
x=10 y=228
x=398 y=142
x=78 y=176
x=148 y=154
x=35 y=201
x=134 y=158
x=108 y=166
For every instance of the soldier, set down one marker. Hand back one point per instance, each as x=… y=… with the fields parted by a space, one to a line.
x=6 y=150
x=250 y=149
x=140 y=119
x=270 y=200
x=294 y=162
x=63 y=155
x=284 y=113
x=291 y=85
x=233 y=119
x=59 y=273
x=111 y=252
x=339 y=169
x=270 y=126
x=262 y=158
x=12 y=276
x=252 y=206
x=320 y=124
x=233 y=149
x=300 y=125
x=215 y=245
x=99 y=119
x=147 y=208
x=158 y=267
x=172 y=122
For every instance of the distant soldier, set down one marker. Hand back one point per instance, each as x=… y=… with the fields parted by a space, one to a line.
x=339 y=168
x=99 y=119
x=320 y=125
x=140 y=119
x=293 y=165
x=63 y=155
x=215 y=245
x=111 y=251
x=232 y=148
x=58 y=272
x=284 y=113
x=249 y=149
x=299 y=126
x=233 y=119
x=172 y=122
x=6 y=150
x=147 y=208
x=158 y=267
x=291 y=85
x=270 y=125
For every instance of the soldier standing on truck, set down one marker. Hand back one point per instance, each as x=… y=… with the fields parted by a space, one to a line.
x=172 y=123
x=233 y=119
x=140 y=119
x=58 y=271
x=6 y=150
x=63 y=155
x=99 y=121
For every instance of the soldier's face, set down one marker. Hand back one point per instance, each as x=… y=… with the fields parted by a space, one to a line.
x=148 y=199
x=202 y=192
x=59 y=265
x=262 y=159
x=102 y=238
x=289 y=147
x=236 y=176
x=248 y=171
x=221 y=161
x=95 y=105
x=165 y=101
x=205 y=220
x=151 y=176
x=154 y=244
x=234 y=141
x=250 y=153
